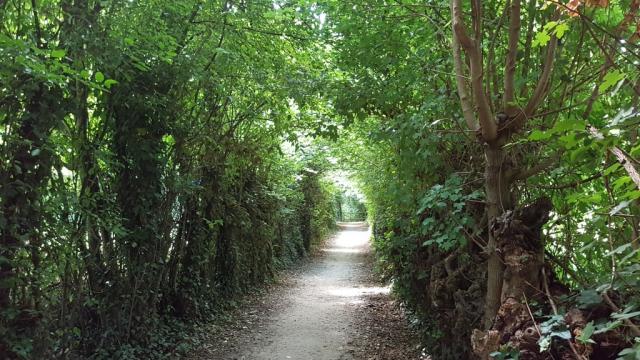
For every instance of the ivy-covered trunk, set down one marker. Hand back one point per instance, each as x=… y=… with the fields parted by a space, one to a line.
x=79 y=25
x=225 y=259
x=27 y=173
x=137 y=145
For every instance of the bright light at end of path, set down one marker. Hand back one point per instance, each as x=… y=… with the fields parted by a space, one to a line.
x=349 y=241
x=359 y=291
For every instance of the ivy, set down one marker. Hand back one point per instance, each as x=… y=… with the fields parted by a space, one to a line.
x=444 y=207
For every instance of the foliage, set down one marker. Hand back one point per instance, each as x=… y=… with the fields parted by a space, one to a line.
x=423 y=169
x=445 y=216
x=160 y=158
x=144 y=179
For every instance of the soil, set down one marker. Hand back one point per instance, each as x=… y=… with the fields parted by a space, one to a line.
x=333 y=307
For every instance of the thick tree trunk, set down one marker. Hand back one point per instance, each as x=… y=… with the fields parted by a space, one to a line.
x=518 y=237
x=499 y=199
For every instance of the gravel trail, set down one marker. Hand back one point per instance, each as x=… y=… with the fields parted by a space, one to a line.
x=330 y=310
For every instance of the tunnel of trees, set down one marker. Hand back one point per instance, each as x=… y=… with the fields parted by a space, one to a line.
x=159 y=159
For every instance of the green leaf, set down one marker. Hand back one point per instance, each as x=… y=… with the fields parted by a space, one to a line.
x=611 y=169
x=620 y=182
x=623 y=205
x=611 y=79
x=588 y=330
x=563 y=334
x=632 y=195
x=625 y=316
x=58 y=54
x=608 y=326
x=99 y=77
x=550 y=25
x=561 y=29
x=569 y=124
x=588 y=298
x=578 y=152
x=619 y=250
x=632 y=353
x=569 y=140
x=539 y=135
x=428 y=221
x=542 y=38
x=110 y=82
x=544 y=343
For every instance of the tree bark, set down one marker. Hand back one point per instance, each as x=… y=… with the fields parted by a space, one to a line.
x=499 y=199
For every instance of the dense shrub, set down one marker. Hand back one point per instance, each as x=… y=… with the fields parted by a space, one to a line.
x=143 y=178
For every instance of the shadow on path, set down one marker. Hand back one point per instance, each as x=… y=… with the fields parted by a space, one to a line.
x=315 y=318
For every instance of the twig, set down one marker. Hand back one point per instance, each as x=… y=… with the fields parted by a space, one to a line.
x=627 y=162
x=572 y=184
x=564 y=267
x=535 y=324
x=523 y=174
x=546 y=289
x=555 y=312
x=510 y=65
x=634 y=328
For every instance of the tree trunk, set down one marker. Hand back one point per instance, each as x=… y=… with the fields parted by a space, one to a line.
x=518 y=237
x=28 y=172
x=499 y=199
x=225 y=257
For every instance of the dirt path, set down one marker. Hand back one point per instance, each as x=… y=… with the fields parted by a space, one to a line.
x=332 y=309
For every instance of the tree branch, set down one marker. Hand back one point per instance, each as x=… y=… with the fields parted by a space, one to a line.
x=523 y=174
x=510 y=65
x=627 y=164
x=624 y=159
x=633 y=327
x=531 y=10
x=541 y=89
x=572 y=184
x=487 y=124
x=465 y=100
x=36 y=24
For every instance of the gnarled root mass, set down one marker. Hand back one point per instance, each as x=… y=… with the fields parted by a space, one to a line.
x=515 y=329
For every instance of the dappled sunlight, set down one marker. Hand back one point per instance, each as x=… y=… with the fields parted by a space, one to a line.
x=343 y=251
x=359 y=291
x=353 y=238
